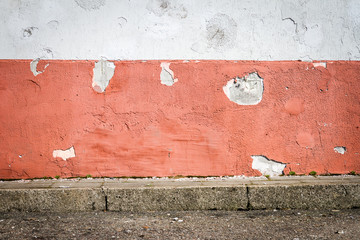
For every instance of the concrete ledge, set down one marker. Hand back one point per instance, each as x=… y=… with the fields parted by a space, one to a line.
x=312 y=196
x=57 y=200
x=338 y=192
x=184 y=198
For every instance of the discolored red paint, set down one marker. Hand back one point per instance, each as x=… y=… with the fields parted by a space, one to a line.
x=139 y=127
x=305 y=139
x=294 y=106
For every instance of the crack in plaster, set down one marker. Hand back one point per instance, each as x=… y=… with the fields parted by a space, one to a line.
x=293 y=21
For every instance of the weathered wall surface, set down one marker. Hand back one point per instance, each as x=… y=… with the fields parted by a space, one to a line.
x=140 y=127
x=181 y=29
x=229 y=115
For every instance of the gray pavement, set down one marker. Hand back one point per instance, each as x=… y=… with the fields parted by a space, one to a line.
x=254 y=224
x=183 y=194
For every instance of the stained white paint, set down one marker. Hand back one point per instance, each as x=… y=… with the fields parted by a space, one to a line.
x=102 y=74
x=64 y=154
x=167 y=75
x=247 y=90
x=181 y=29
x=267 y=166
x=33 y=67
x=340 y=150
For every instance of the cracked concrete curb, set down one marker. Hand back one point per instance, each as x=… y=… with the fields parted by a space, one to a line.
x=158 y=194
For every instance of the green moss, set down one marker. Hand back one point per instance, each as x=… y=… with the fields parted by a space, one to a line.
x=46 y=177
x=57 y=176
x=292 y=173
x=312 y=173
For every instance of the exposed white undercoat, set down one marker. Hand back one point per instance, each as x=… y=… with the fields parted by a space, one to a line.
x=64 y=154
x=267 y=166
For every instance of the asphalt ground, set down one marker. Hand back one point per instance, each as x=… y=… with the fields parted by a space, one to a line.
x=254 y=224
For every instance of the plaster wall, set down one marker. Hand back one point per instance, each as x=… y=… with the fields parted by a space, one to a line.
x=181 y=29
x=166 y=88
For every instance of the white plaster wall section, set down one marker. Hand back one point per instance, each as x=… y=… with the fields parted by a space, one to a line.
x=33 y=67
x=167 y=75
x=64 y=154
x=53 y=24
x=165 y=22
x=221 y=32
x=102 y=73
x=90 y=5
x=247 y=90
x=122 y=21
x=267 y=166
x=212 y=29
x=167 y=7
x=340 y=149
x=29 y=31
x=161 y=30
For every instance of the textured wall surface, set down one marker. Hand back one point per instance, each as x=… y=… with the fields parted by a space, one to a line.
x=141 y=127
x=181 y=29
x=259 y=87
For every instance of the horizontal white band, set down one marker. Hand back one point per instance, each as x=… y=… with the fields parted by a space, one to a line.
x=180 y=29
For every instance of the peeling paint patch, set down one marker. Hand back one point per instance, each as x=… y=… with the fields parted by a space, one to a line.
x=247 y=90
x=103 y=72
x=267 y=166
x=33 y=67
x=340 y=149
x=90 y=5
x=319 y=64
x=167 y=75
x=64 y=154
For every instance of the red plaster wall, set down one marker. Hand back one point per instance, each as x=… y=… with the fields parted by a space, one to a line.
x=139 y=127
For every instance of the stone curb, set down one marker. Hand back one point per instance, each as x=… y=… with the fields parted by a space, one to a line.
x=335 y=192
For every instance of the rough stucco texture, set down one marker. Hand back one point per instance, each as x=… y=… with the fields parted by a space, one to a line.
x=140 y=127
